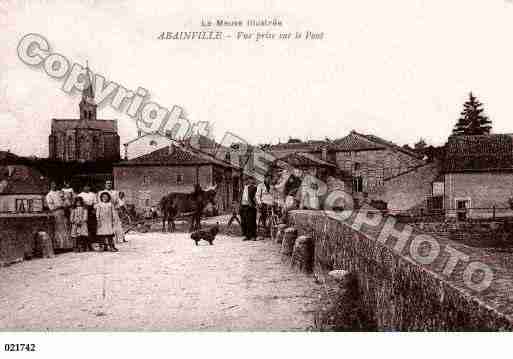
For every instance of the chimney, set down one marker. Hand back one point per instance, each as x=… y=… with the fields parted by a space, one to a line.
x=139 y=133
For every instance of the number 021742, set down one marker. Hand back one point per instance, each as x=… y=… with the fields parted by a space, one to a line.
x=19 y=347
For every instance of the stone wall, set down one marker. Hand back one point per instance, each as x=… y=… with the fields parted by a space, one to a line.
x=398 y=293
x=17 y=235
x=409 y=190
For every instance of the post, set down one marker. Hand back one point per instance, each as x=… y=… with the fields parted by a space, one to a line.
x=493 y=216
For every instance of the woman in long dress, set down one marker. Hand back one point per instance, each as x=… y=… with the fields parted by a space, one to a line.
x=56 y=203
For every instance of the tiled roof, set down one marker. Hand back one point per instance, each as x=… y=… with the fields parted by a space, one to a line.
x=301 y=159
x=175 y=155
x=360 y=142
x=356 y=142
x=479 y=153
x=20 y=179
x=67 y=124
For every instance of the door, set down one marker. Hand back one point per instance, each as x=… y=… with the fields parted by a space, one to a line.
x=462 y=206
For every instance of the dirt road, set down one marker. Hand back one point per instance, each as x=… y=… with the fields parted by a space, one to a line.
x=159 y=282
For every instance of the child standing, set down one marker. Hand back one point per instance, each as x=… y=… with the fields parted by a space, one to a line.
x=105 y=218
x=78 y=219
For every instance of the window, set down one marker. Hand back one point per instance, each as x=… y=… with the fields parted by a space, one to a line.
x=358 y=184
x=179 y=178
x=147 y=202
x=356 y=166
x=70 y=146
x=146 y=180
x=24 y=205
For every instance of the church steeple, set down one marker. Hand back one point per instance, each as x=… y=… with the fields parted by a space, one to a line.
x=87 y=105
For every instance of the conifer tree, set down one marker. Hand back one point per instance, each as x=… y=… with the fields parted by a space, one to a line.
x=472 y=121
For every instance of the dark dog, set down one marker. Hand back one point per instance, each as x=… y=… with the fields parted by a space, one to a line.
x=206 y=234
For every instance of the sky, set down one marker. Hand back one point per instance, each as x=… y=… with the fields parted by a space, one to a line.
x=397 y=69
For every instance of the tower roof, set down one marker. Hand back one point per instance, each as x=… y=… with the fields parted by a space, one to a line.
x=88 y=92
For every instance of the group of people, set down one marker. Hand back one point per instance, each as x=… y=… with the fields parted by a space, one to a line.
x=259 y=200
x=86 y=218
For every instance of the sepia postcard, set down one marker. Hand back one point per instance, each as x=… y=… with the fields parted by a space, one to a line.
x=255 y=166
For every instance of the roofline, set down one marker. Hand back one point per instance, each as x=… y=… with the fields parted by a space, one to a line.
x=147 y=134
x=415 y=168
x=387 y=144
x=163 y=164
x=359 y=150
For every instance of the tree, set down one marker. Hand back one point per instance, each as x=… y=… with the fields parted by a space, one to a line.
x=472 y=121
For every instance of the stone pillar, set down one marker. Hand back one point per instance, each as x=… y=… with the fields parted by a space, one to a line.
x=287 y=245
x=43 y=246
x=303 y=253
x=281 y=232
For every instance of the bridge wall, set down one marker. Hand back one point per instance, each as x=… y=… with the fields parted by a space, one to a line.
x=397 y=292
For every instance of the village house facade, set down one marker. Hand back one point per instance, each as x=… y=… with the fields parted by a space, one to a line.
x=175 y=169
x=365 y=161
x=369 y=160
x=478 y=176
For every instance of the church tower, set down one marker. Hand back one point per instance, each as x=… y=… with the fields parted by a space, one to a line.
x=87 y=105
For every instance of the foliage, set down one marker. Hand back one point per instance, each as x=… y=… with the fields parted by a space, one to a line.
x=472 y=120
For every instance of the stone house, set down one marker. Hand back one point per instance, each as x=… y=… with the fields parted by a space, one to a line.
x=478 y=176
x=369 y=160
x=175 y=168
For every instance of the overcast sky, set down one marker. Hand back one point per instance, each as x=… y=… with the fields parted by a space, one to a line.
x=397 y=69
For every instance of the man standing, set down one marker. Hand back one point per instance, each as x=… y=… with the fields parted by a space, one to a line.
x=248 y=211
x=264 y=199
